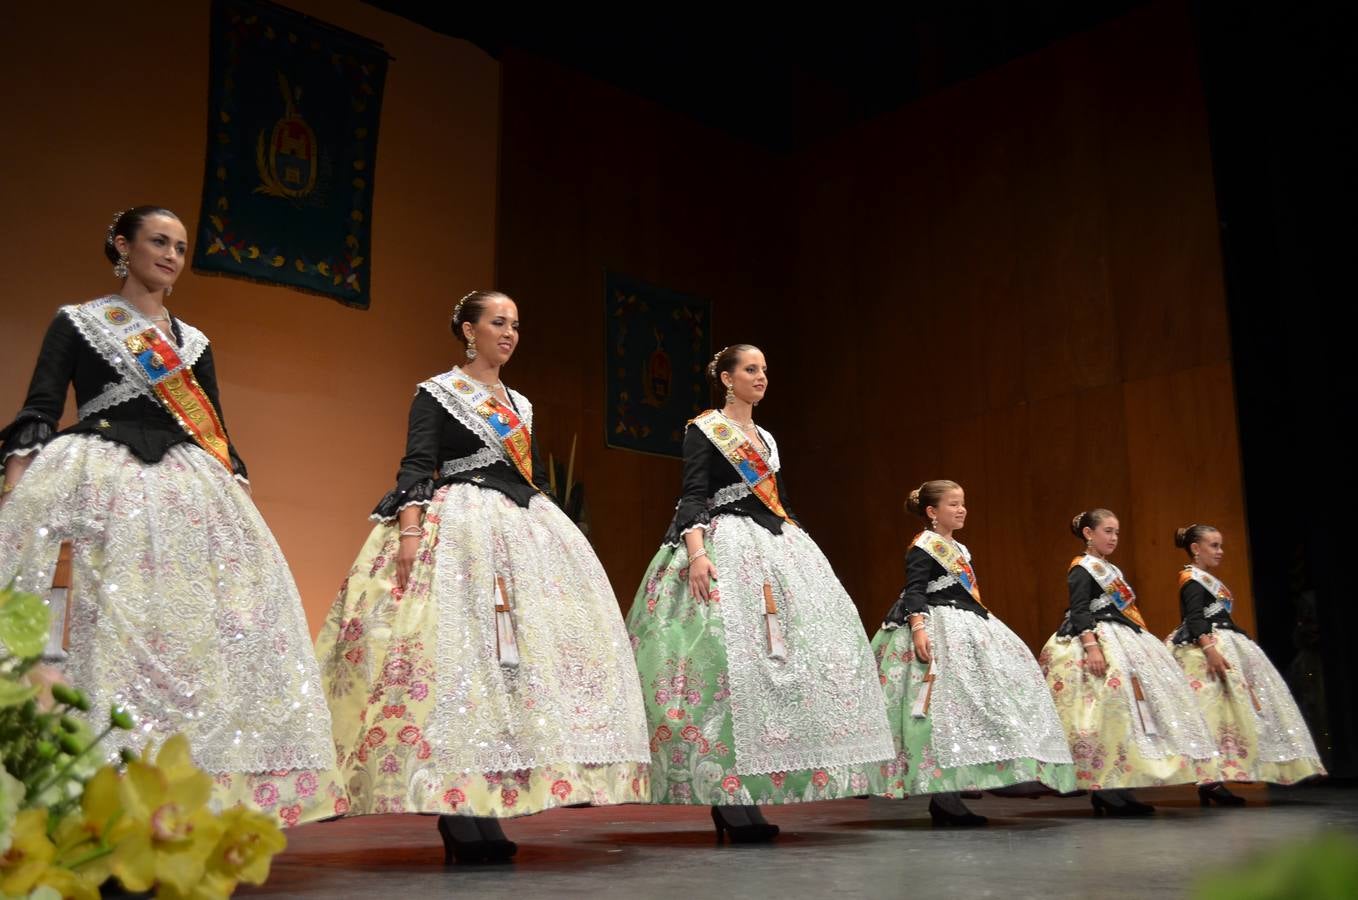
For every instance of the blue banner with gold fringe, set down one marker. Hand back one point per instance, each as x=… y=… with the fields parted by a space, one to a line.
x=292 y=145
x=658 y=346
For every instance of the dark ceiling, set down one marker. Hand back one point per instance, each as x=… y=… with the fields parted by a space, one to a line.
x=783 y=81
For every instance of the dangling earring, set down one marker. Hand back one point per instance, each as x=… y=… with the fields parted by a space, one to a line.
x=730 y=394
x=471 y=348
x=169 y=289
x=120 y=268
x=1195 y=559
x=933 y=524
x=1089 y=545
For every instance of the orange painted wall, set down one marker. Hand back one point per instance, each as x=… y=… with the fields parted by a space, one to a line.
x=113 y=114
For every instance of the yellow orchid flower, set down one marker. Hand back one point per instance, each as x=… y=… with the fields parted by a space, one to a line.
x=243 y=852
x=248 y=843
x=30 y=854
x=63 y=884
x=80 y=853
x=166 y=831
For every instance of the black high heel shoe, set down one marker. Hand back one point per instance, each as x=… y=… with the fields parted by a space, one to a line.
x=498 y=847
x=737 y=822
x=458 y=845
x=1136 y=806
x=1217 y=793
x=757 y=818
x=963 y=819
x=1109 y=804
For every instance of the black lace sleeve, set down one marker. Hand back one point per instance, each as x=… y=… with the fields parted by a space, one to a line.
x=692 y=509
x=37 y=422
x=415 y=478
x=913 y=599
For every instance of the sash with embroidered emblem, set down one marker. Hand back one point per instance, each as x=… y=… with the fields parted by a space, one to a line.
x=1220 y=593
x=500 y=420
x=754 y=470
x=950 y=556
x=145 y=354
x=1116 y=590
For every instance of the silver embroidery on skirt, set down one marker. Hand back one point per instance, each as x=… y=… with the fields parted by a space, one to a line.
x=575 y=696
x=1182 y=731
x=823 y=705
x=1283 y=735
x=990 y=701
x=183 y=609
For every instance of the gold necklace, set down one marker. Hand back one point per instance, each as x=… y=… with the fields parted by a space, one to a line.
x=489 y=387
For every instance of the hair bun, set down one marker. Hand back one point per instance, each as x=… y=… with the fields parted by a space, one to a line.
x=912 y=502
x=1075 y=525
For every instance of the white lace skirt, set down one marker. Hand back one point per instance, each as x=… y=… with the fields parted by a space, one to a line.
x=820 y=706
x=183 y=610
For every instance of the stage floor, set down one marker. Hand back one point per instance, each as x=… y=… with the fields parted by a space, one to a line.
x=1049 y=848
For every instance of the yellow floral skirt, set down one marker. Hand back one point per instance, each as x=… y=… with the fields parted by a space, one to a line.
x=1117 y=742
x=427 y=717
x=1260 y=734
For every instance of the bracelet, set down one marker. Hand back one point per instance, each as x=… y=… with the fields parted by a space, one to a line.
x=8 y=488
x=1085 y=643
x=918 y=626
x=412 y=531
x=1206 y=644
x=702 y=551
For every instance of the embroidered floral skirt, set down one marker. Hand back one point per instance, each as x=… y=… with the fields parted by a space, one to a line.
x=729 y=724
x=1260 y=734
x=990 y=722
x=1116 y=741
x=183 y=612
x=429 y=715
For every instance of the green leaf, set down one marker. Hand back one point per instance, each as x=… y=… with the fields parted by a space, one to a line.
x=1324 y=867
x=12 y=693
x=24 y=620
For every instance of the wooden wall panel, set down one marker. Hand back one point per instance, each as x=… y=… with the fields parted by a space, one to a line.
x=988 y=285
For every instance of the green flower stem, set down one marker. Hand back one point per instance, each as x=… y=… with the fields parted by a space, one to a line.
x=73 y=760
x=103 y=850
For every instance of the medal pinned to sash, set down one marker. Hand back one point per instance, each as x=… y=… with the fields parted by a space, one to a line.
x=506 y=644
x=151 y=358
x=754 y=470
